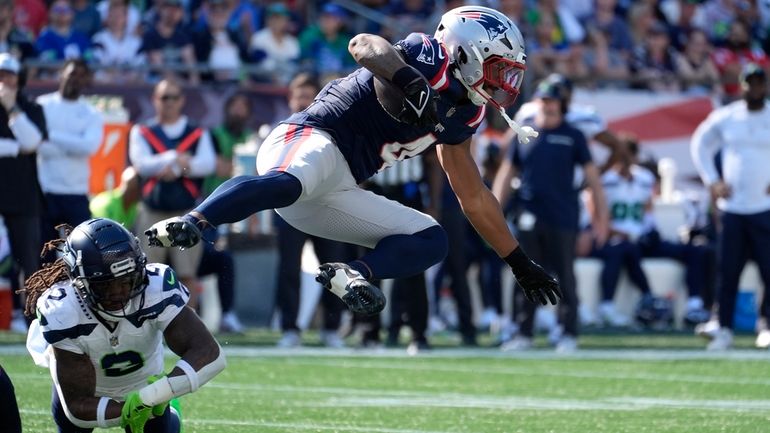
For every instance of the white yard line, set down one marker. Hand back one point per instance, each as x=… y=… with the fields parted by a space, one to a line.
x=355 y=397
x=526 y=371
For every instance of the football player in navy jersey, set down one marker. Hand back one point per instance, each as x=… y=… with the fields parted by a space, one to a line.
x=423 y=91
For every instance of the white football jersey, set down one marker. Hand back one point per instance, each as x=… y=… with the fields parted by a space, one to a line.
x=627 y=200
x=125 y=351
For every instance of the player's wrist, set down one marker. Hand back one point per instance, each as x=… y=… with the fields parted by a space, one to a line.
x=518 y=260
x=156 y=393
x=405 y=76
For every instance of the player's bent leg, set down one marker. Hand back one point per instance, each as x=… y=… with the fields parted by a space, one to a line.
x=231 y=202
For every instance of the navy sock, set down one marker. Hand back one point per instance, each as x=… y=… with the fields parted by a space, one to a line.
x=401 y=256
x=242 y=196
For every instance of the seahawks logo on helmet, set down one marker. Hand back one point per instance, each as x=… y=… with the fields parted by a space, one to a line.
x=493 y=25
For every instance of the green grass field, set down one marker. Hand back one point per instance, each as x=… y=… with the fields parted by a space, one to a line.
x=607 y=387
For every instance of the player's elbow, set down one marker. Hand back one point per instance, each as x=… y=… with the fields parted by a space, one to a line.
x=364 y=47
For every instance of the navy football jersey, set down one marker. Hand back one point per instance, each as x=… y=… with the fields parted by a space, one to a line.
x=370 y=138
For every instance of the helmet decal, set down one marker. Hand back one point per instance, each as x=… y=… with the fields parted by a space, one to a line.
x=493 y=25
x=427 y=53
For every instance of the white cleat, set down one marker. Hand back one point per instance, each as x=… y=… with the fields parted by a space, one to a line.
x=763 y=339
x=518 y=343
x=723 y=340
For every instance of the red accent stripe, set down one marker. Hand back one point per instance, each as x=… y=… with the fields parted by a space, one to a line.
x=149 y=186
x=294 y=147
x=442 y=71
x=189 y=140
x=153 y=139
x=191 y=187
x=477 y=116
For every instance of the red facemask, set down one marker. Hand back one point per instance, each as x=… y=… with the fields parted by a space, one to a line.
x=501 y=82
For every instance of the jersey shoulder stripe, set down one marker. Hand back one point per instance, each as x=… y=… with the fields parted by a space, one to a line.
x=54 y=336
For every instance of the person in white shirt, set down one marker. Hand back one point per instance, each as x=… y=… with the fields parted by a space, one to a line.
x=275 y=50
x=115 y=48
x=75 y=130
x=740 y=130
x=172 y=156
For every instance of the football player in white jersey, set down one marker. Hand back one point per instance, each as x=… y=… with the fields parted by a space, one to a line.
x=102 y=315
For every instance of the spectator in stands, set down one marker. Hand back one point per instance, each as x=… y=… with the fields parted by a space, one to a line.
x=548 y=206
x=12 y=39
x=120 y=204
x=218 y=46
x=717 y=18
x=738 y=50
x=544 y=53
x=741 y=191
x=87 y=19
x=302 y=89
x=683 y=17
x=244 y=17
x=133 y=14
x=172 y=156
x=116 y=50
x=22 y=128
x=641 y=18
x=168 y=45
x=30 y=16
x=75 y=130
x=273 y=50
x=59 y=41
x=232 y=132
x=630 y=188
x=405 y=17
x=653 y=65
x=324 y=46
x=613 y=27
x=694 y=66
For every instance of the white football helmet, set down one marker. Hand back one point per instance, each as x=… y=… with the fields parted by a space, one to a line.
x=487 y=50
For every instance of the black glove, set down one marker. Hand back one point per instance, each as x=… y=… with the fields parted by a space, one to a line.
x=419 y=106
x=538 y=286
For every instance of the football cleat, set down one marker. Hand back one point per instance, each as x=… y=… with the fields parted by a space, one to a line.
x=174 y=232
x=359 y=295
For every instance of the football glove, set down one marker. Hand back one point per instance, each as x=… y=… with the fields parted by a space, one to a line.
x=134 y=413
x=180 y=232
x=419 y=106
x=538 y=286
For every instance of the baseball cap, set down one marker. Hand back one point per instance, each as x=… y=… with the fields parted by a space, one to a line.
x=9 y=63
x=752 y=70
x=278 y=9
x=551 y=89
x=334 y=10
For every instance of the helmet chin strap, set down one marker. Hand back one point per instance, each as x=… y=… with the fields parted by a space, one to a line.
x=524 y=133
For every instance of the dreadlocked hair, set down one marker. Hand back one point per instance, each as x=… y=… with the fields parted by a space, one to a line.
x=52 y=270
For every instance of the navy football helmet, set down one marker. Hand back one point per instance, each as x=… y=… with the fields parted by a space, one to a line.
x=107 y=266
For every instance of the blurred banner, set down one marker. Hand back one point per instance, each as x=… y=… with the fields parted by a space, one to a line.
x=663 y=123
x=109 y=161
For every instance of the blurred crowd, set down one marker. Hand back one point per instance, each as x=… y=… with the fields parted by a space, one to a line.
x=666 y=45
x=174 y=161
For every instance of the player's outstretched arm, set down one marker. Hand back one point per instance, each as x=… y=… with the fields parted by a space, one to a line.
x=77 y=381
x=484 y=213
x=201 y=360
x=376 y=54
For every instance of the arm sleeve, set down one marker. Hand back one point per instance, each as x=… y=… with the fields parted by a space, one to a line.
x=706 y=142
x=26 y=132
x=428 y=56
x=204 y=161
x=8 y=147
x=80 y=144
x=146 y=163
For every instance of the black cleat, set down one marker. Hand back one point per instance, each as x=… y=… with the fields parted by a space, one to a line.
x=359 y=295
x=174 y=232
